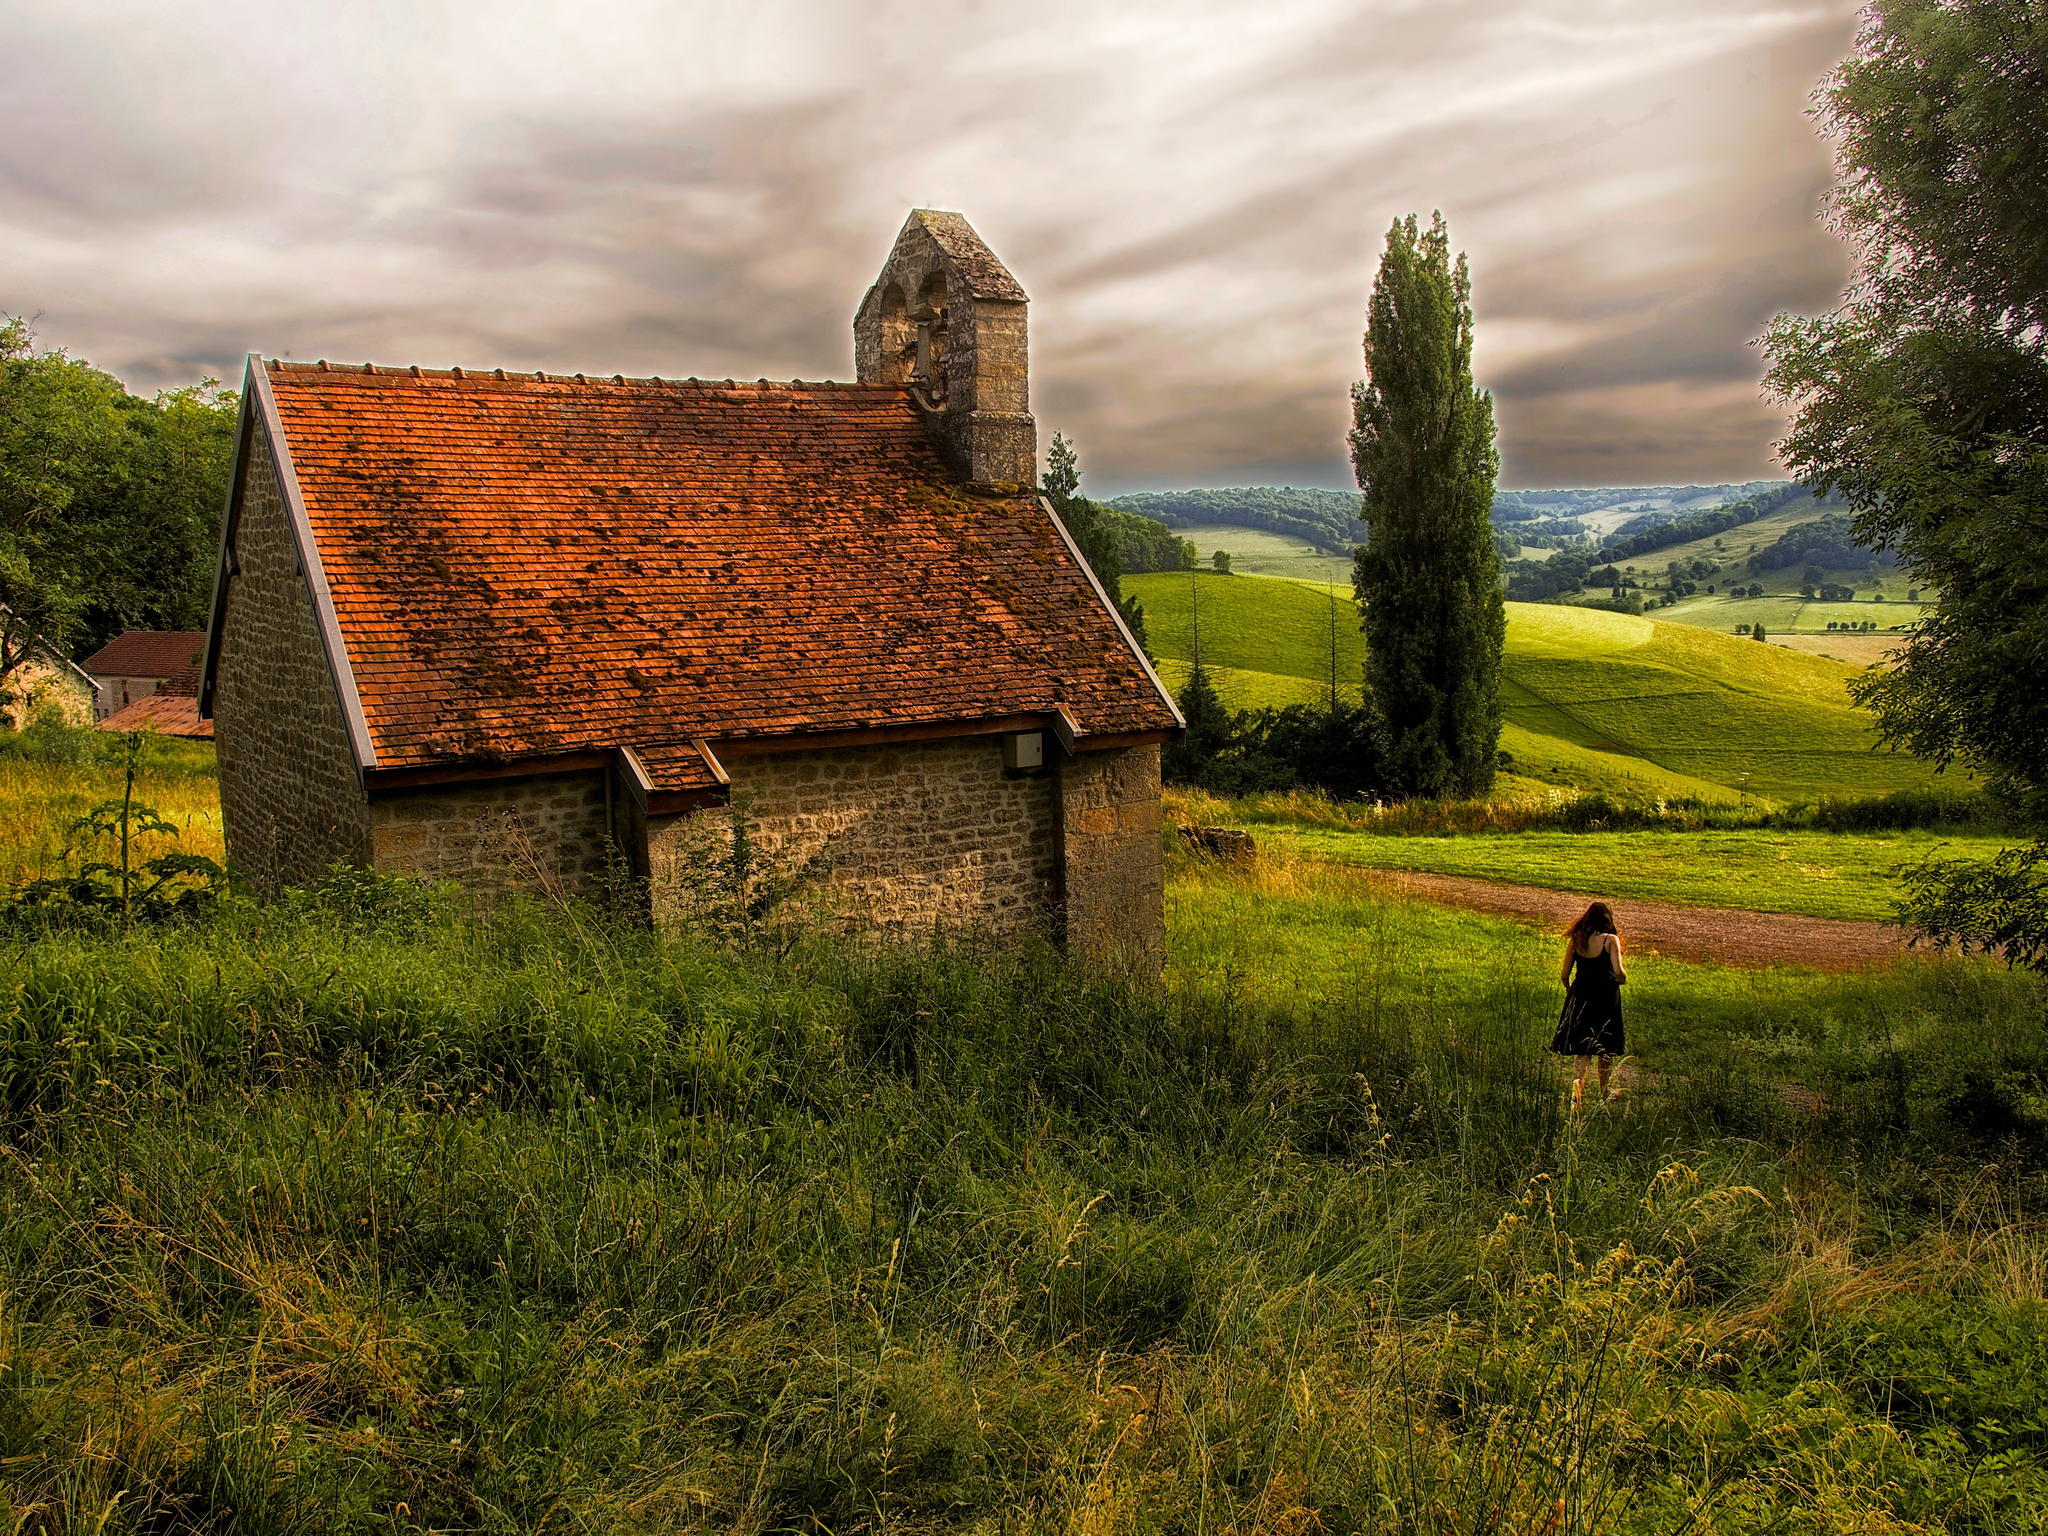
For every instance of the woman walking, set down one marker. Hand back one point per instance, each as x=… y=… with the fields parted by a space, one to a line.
x=1589 y=1028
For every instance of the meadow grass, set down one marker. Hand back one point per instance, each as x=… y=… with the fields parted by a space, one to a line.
x=51 y=775
x=359 y=1212
x=1851 y=875
x=1594 y=700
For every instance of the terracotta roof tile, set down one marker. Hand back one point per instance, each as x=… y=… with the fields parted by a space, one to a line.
x=145 y=653
x=537 y=564
x=170 y=714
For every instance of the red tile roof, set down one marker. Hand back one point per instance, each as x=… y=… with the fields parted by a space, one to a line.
x=526 y=564
x=145 y=653
x=173 y=710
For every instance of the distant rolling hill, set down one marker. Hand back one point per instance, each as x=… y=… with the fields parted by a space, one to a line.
x=1594 y=700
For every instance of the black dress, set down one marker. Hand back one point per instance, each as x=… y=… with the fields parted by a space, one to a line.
x=1590 y=1024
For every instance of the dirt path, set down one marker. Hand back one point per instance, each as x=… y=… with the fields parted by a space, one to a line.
x=1720 y=935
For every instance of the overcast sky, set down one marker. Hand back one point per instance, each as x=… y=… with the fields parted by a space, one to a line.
x=1194 y=192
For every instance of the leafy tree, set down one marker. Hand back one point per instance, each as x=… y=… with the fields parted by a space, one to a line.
x=1096 y=529
x=1428 y=575
x=1923 y=399
x=1221 y=560
x=1757 y=632
x=108 y=503
x=61 y=434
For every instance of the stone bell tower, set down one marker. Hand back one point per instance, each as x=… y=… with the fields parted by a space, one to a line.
x=946 y=319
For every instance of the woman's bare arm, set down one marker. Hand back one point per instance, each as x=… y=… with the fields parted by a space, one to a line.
x=1614 y=948
x=1564 y=972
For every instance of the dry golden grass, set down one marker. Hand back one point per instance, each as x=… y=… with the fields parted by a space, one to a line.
x=39 y=801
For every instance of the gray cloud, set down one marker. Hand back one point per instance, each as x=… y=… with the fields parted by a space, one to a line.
x=1195 y=197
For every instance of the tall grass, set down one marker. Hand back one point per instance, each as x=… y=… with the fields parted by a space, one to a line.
x=340 y=1217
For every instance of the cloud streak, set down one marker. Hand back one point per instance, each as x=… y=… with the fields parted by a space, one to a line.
x=1194 y=195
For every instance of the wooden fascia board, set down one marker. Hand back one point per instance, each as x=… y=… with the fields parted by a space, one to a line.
x=1110 y=741
x=1108 y=607
x=313 y=571
x=245 y=417
x=878 y=735
x=475 y=772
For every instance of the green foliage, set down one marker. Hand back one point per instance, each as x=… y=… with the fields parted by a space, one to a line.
x=1924 y=401
x=1143 y=545
x=1822 y=545
x=1995 y=906
x=108 y=503
x=1428 y=575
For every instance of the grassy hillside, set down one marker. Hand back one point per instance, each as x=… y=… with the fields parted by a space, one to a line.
x=1595 y=700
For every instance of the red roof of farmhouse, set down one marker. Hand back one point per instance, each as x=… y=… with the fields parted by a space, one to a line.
x=145 y=653
x=529 y=564
x=173 y=710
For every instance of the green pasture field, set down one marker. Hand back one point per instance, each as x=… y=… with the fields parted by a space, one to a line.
x=1594 y=700
x=1788 y=614
x=1259 y=552
x=1822 y=874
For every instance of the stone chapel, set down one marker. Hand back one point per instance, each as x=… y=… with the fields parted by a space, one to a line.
x=509 y=628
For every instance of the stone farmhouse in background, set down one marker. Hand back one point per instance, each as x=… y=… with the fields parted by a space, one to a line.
x=136 y=665
x=501 y=627
x=39 y=677
x=173 y=710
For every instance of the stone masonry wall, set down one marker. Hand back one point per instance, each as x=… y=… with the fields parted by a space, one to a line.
x=1112 y=866
x=291 y=804
x=910 y=839
x=547 y=835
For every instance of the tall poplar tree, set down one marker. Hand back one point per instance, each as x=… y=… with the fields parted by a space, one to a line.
x=1428 y=573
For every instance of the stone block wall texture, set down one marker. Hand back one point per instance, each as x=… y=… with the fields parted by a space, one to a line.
x=1112 y=866
x=547 y=835
x=910 y=840
x=291 y=804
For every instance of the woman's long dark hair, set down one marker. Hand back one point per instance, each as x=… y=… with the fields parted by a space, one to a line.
x=1598 y=918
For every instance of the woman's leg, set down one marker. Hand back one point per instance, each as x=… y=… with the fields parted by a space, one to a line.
x=1606 y=1062
x=1584 y=1064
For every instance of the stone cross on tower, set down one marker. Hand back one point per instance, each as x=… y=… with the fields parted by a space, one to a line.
x=946 y=318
